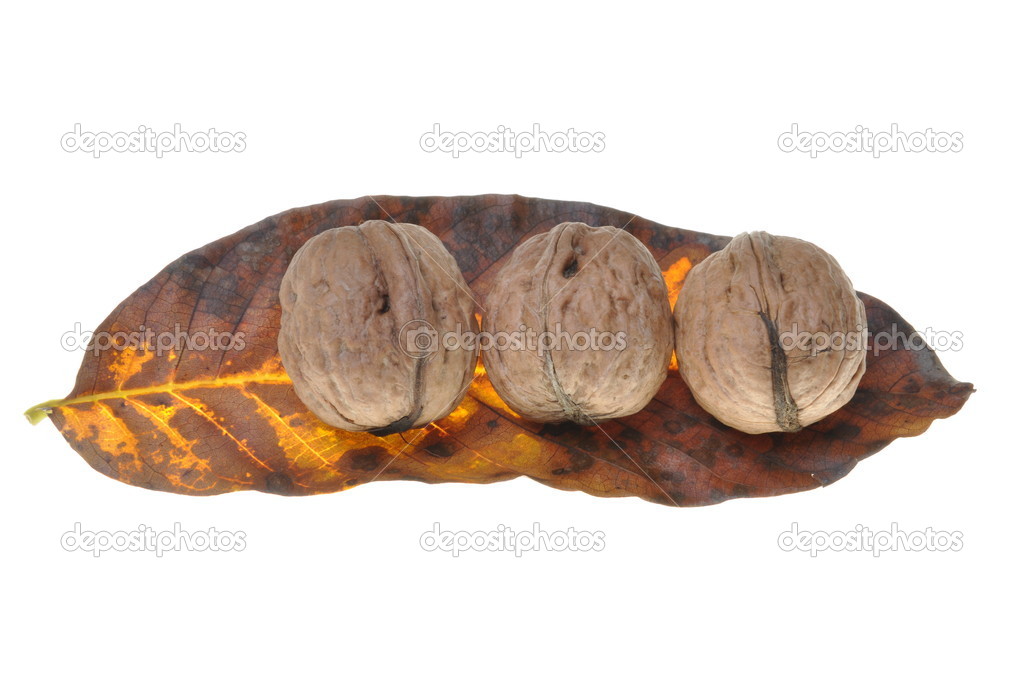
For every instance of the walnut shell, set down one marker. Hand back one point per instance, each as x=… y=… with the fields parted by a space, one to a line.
x=770 y=334
x=362 y=310
x=596 y=304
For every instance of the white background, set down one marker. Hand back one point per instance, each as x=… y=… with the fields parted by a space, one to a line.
x=333 y=101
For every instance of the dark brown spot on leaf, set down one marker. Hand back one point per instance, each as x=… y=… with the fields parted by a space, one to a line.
x=440 y=450
x=367 y=459
x=280 y=483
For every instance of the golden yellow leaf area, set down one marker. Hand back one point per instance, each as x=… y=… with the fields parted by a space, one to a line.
x=674 y=277
x=181 y=417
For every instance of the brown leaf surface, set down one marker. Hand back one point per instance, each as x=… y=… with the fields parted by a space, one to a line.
x=210 y=421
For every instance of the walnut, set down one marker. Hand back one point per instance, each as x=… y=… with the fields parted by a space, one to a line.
x=578 y=326
x=362 y=308
x=770 y=334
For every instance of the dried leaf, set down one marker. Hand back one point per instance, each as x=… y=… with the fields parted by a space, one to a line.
x=202 y=421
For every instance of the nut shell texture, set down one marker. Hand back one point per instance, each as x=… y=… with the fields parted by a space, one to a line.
x=751 y=326
x=362 y=308
x=572 y=282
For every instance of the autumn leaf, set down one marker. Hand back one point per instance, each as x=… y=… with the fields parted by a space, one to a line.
x=208 y=420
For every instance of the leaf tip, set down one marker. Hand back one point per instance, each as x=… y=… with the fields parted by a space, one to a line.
x=964 y=388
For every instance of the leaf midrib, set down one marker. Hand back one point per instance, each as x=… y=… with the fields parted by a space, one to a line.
x=38 y=412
